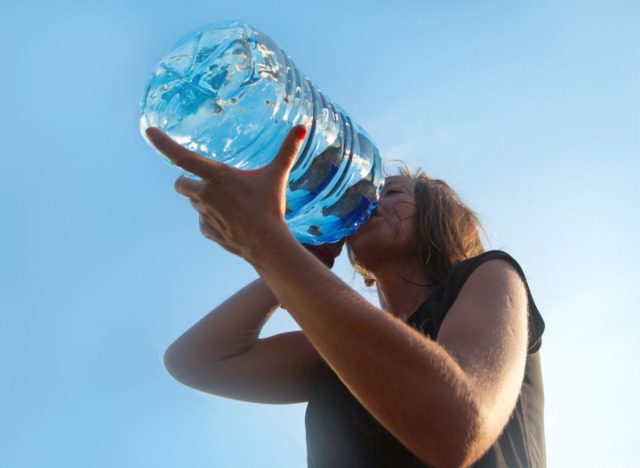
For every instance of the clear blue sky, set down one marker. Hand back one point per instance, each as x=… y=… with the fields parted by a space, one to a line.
x=529 y=109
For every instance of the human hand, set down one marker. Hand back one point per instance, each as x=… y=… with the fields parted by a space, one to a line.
x=237 y=207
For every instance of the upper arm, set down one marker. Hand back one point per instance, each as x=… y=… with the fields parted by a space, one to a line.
x=277 y=369
x=485 y=331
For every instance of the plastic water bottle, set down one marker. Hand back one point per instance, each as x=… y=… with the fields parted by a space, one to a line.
x=228 y=92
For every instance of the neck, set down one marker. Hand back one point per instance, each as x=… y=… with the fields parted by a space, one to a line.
x=401 y=288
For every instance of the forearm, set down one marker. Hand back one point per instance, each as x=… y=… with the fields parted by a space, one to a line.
x=229 y=329
x=375 y=354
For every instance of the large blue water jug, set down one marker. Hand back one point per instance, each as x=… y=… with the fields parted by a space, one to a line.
x=228 y=92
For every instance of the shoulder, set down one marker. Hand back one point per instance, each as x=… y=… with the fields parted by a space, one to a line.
x=500 y=274
x=492 y=296
x=463 y=270
x=495 y=279
x=491 y=274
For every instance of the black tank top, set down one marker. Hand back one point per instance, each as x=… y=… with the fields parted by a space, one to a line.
x=340 y=432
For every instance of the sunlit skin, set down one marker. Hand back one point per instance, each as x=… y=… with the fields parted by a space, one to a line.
x=467 y=382
x=385 y=246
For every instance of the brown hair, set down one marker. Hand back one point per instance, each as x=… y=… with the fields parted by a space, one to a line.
x=447 y=230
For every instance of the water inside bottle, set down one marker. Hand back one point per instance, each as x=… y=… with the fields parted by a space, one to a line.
x=228 y=92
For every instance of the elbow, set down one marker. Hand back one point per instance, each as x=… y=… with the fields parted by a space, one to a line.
x=169 y=362
x=185 y=366
x=463 y=441
x=176 y=364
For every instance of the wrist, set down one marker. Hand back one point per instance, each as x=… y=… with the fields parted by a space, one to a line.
x=274 y=239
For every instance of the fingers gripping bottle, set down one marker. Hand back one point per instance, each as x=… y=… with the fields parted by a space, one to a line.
x=228 y=92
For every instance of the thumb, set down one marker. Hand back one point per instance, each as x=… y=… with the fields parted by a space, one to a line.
x=283 y=162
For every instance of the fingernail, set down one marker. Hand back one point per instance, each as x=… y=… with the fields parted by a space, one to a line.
x=301 y=132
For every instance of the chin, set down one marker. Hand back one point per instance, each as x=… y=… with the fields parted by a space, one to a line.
x=364 y=251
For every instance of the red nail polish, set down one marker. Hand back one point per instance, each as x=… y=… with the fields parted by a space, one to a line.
x=301 y=132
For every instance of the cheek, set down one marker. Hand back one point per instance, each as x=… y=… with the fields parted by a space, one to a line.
x=376 y=248
x=407 y=220
x=408 y=234
x=388 y=235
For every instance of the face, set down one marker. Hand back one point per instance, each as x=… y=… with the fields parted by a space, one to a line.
x=390 y=232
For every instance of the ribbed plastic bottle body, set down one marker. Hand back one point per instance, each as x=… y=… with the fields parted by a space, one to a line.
x=228 y=92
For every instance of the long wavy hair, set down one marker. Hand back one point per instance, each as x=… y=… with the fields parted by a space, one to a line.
x=447 y=230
